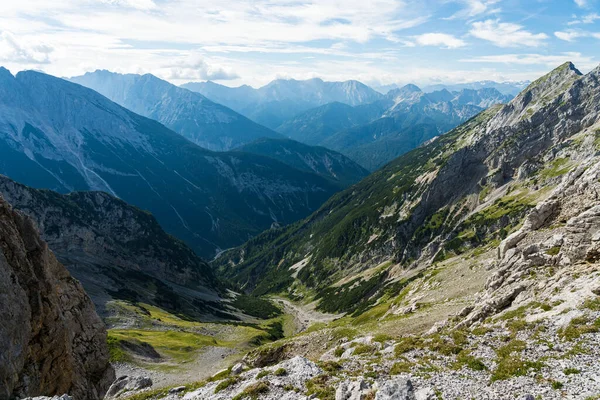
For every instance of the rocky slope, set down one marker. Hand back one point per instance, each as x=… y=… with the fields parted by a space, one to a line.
x=469 y=188
x=376 y=133
x=469 y=269
x=118 y=251
x=319 y=160
x=209 y=125
x=59 y=135
x=282 y=99
x=51 y=339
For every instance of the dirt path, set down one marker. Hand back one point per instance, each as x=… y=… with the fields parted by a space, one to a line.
x=304 y=315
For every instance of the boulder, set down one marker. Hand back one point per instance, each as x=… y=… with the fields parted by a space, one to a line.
x=425 y=394
x=397 y=389
x=352 y=390
x=128 y=384
x=237 y=369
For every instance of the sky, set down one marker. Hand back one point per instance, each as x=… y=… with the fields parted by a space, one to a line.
x=252 y=42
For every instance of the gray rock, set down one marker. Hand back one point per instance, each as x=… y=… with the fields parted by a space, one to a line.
x=127 y=384
x=397 y=389
x=237 y=369
x=176 y=390
x=351 y=390
x=425 y=394
x=55 y=342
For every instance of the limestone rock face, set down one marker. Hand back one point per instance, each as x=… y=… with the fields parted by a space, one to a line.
x=52 y=341
x=116 y=250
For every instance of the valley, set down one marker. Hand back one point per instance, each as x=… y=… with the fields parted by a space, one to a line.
x=465 y=266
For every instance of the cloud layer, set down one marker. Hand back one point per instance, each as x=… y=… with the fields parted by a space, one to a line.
x=255 y=41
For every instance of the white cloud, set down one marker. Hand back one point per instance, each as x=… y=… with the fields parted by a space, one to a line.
x=584 y=62
x=581 y=3
x=590 y=18
x=586 y=19
x=506 y=34
x=439 y=39
x=571 y=35
x=137 y=4
x=197 y=68
x=27 y=53
x=474 y=8
x=568 y=36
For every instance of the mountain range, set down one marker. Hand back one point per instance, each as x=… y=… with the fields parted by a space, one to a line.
x=376 y=133
x=319 y=160
x=209 y=125
x=506 y=88
x=272 y=104
x=469 y=266
x=62 y=136
x=468 y=188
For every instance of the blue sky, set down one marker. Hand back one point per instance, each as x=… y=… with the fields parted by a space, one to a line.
x=239 y=42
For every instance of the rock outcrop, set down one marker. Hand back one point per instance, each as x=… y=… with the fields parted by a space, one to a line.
x=117 y=251
x=51 y=339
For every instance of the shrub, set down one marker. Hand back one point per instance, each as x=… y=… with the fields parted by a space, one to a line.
x=577 y=327
x=571 y=371
x=514 y=366
x=556 y=385
x=224 y=384
x=262 y=374
x=320 y=387
x=330 y=366
x=407 y=344
x=362 y=348
x=400 y=367
x=465 y=359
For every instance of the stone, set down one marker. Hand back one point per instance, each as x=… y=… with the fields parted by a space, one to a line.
x=351 y=390
x=425 y=394
x=237 y=369
x=127 y=384
x=176 y=390
x=397 y=389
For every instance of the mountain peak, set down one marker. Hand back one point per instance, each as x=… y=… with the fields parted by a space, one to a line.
x=5 y=74
x=539 y=94
x=410 y=88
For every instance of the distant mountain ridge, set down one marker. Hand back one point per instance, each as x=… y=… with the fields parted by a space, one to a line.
x=319 y=160
x=209 y=125
x=511 y=88
x=281 y=99
x=62 y=136
x=376 y=133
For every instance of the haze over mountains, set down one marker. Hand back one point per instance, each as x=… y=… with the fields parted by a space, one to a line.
x=62 y=136
x=198 y=119
x=281 y=99
x=375 y=134
x=507 y=88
